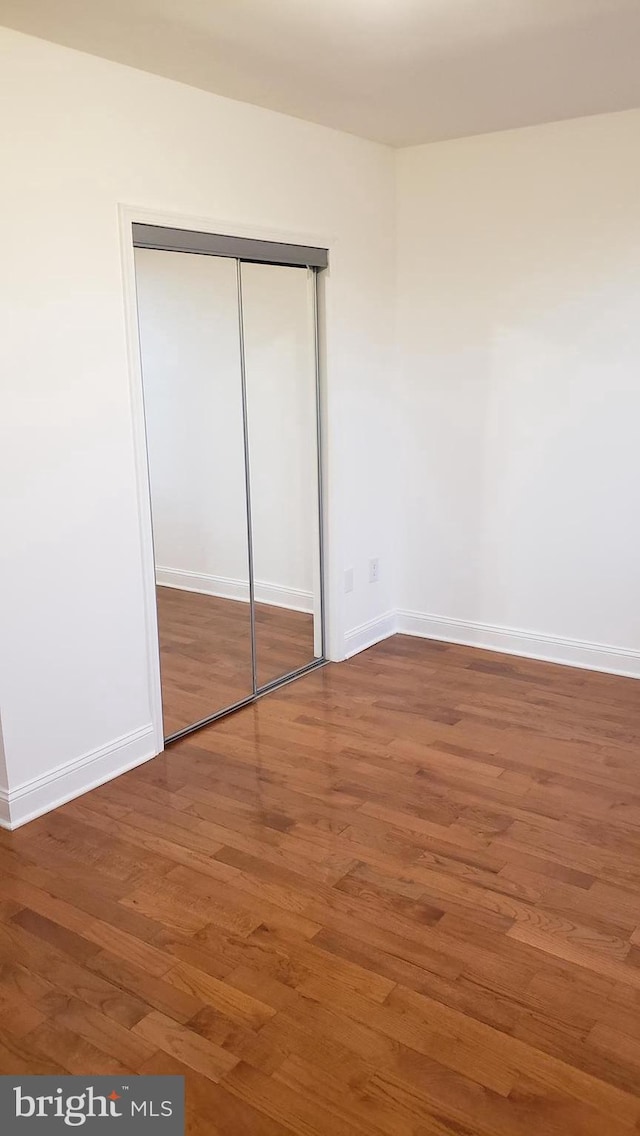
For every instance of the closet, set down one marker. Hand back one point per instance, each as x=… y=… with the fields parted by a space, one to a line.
x=228 y=332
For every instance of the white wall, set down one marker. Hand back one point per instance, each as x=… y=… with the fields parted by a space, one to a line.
x=78 y=136
x=519 y=395
x=190 y=352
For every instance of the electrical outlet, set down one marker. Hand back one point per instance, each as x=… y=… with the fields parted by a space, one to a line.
x=348 y=579
x=374 y=570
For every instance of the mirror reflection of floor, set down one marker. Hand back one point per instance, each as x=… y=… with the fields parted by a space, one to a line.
x=205 y=651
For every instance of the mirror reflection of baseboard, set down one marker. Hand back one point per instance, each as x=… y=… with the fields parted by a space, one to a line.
x=280 y=595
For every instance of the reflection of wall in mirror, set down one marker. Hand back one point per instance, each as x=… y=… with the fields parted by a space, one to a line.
x=191 y=373
x=280 y=380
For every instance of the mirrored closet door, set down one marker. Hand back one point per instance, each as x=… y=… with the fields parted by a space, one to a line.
x=277 y=304
x=228 y=347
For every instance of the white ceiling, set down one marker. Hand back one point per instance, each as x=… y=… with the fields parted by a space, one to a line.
x=399 y=71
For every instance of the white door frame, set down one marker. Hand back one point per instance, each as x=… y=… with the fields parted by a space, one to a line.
x=127 y=215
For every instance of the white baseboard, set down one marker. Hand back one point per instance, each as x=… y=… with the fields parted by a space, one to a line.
x=5 y=816
x=373 y=631
x=229 y=589
x=73 y=778
x=550 y=648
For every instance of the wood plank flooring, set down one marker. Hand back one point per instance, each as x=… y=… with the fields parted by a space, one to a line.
x=401 y=896
x=205 y=652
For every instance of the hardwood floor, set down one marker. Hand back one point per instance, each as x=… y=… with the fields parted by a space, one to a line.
x=205 y=652
x=401 y=896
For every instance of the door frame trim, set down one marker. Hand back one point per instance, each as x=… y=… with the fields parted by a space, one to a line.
x=332 y=632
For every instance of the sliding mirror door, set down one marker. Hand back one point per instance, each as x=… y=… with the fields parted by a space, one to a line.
x=228 y=335
x=191 y=370
x=279 y=324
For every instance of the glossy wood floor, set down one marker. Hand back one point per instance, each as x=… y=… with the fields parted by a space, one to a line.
x=205 y=651
x=400 y=896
